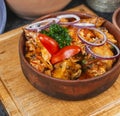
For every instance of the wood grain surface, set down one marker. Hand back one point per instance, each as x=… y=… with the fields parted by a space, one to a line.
x=22 y=99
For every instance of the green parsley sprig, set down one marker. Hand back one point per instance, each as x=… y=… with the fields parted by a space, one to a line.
x=59 y=33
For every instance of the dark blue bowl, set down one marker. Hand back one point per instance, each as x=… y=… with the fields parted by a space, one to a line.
x=3 y=16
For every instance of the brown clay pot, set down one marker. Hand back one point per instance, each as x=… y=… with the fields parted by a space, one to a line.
x=70 y=89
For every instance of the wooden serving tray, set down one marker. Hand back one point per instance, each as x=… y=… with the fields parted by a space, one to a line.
x=22 y=99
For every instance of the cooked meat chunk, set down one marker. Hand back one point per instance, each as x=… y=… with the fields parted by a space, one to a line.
x=37 y=55
x=67 y=70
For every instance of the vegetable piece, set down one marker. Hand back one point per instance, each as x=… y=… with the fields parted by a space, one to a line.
x=92 y=36
x=38 y=26
x=65 y=53
x=60 y=34
x=50 y=44
x=69 y=16
x=83 y=25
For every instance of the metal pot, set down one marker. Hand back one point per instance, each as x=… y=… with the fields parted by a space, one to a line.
x=104 y=5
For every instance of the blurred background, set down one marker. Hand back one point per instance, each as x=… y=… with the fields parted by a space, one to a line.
x=14 y=21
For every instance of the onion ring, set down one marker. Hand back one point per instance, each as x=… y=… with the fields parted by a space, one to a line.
x=68 y=16
x=88 y=47
x=38 y=26
x=83 y=25
x=93 y=43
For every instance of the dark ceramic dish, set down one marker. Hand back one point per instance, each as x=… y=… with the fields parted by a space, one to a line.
x=116 y=18
x=70 y=89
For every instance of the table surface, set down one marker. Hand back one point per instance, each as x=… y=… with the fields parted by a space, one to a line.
x=14 y=22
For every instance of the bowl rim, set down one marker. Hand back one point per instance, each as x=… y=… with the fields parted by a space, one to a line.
x=114 y=18
x=117 y=64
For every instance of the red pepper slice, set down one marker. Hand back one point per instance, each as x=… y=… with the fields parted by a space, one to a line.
x=64 y=53
x=49 y=43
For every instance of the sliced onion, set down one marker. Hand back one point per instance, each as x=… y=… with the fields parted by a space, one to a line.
x=68 y=16
x=88 y=47
x=84 y=25
x=38 y=26
x=93 y=43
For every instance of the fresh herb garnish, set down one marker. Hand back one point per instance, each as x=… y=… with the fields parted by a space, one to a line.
x=59 y=33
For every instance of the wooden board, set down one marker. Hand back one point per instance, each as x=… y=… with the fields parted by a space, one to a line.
x=22 y=99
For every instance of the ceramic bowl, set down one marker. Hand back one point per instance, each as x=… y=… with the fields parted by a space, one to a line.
x=70 y=89
x=116 y=18
x=33 y=9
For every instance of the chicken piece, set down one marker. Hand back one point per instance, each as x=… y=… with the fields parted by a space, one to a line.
x=63 y=20
x=110 y=37
x=67 y=70
x=98 y=21
x=73 y=33
x=108 y=52
x=87 y=34
x=30 y=34
x=94 y=67
x=75 y=40
x=37 y=55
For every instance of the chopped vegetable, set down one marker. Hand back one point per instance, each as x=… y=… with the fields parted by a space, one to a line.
x=43 y=24
x=92 y=36
x=69 y=17
x=64 y=53
x=50 y=44
x=60 y=34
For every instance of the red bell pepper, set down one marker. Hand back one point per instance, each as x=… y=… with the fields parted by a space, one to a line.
x=64 y=53
x=49 y=43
